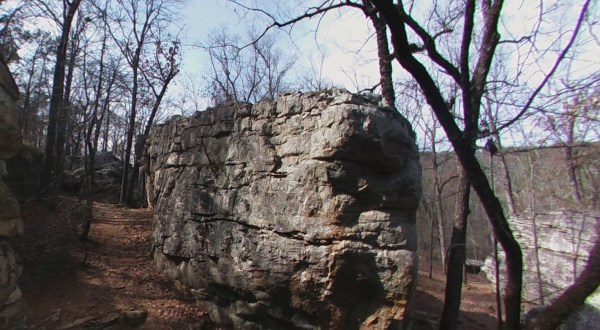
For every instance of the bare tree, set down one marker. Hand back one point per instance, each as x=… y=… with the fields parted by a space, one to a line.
x=158 y=74
x=574 y=123
x=245 y=72
x=193 y=96
x=99 y=78
x=383 y=54
x=472 y=85
x=456 y=257
x=313 y=78
x=34 y=82
x=131 y=25
x=51 y=154
x=65 y=122
x=11 y=33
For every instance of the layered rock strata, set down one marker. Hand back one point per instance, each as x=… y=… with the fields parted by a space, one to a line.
x=556 y=247
x=11 y=224
x=293 y=213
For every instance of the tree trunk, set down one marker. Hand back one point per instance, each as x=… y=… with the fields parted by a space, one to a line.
x=89 y=192
x=508 y=188
x=139 y=147
x=431 y=231
x=441 y=230
x=27 y=97
x=497 y=285
x=141 y=140
x=91 y=139
x=383 y=53
x=463 y=145
x=57 y=102
x=572 y=171
x=538 y=271
x=130 y=133
x=106 y=133
x=456 y=258
x=138 y=152
x=64 y=116
x=438 y=191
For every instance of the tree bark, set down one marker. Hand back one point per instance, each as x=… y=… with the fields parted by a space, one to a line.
x=497 y=285
x=456 y=258
x=139 y=148
x=438 y=198
x=64 y=116
x=106 y=133
x=508 y=187
x=383 y=53
x=130 y=132
x=57 y=100
x=570 y=158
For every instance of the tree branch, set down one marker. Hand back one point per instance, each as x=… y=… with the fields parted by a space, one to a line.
x=557 y=62
x=429 y=44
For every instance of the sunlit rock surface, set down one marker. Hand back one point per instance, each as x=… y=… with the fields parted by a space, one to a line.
x=556 y=248
x=293 y=213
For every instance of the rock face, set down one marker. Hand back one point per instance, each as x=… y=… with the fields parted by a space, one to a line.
x=11 y=306
x=295 y=213
x=556 y=247
x=108 y=171
x=24 y=172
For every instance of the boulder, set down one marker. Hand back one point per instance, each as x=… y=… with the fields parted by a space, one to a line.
x=24 y=172
x=107 y=175
x=10 y=132
x=293 y=213
x=556 y=247
x=11 y=306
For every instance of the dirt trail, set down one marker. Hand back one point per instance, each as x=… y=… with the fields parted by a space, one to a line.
x=119 y=275
x=478 y=307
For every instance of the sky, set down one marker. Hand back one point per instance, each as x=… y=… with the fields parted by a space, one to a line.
x=340 y=36
x=202 y=17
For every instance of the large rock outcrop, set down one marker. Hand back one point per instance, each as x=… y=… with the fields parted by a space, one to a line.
x=11 y=224
x=293 y=213
x=556 y=247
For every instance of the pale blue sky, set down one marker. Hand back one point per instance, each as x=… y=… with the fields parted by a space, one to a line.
x=337 y=37
x=340 y=36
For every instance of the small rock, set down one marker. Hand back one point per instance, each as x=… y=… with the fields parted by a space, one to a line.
x=110 y=318
x=14 y=297
x=76 y=323
x=55 y=315
x=134 y=318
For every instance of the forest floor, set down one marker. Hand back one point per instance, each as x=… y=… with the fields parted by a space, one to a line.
x=111 y=280
x=478 y=304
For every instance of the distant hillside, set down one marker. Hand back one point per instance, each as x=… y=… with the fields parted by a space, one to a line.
x=540 y=183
